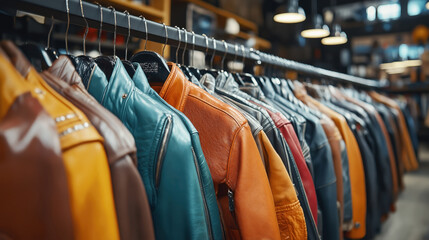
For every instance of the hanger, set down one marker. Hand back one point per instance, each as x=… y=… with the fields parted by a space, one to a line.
x=236 y=75
x=107 y=63
x=223 y=60
x=154 y=66
x=183 y=67
x=101 y=29
x=52 y=53
x=211 y=71
x=127 y=64
x=192 y=70
x=247 y=77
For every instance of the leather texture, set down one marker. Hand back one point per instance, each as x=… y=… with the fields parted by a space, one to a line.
x=288 y=209
x=84 y=157
x=371 y=109
x=280 y=122
x=232 y=156
x=141 y=83
x=132 y=207
x=357 y=174
x=167 y=162
x=34 y=201
x=408 y=154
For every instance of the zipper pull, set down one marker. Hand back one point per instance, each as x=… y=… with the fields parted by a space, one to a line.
x=231 y=200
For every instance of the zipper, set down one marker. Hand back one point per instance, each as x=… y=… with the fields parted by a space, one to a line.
x=206 y=211
x=163 y=148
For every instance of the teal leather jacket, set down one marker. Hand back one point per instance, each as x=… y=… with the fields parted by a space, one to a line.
x=173 y=170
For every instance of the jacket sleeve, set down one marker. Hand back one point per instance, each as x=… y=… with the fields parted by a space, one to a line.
x=253 y=200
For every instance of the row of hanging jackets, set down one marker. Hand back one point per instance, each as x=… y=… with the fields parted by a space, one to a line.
x=92 y=149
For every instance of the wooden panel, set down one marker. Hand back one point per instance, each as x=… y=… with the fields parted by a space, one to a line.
x=244 y=23
x=134 y=8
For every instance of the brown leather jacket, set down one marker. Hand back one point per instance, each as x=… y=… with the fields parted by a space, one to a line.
x=34 y=202
x=242 y=187
x=132 y=207
x=90 y=187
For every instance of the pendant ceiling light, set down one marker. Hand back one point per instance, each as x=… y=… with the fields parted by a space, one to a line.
x=427 y=5
x=337 y=37
x=290 y=12
x=317 y=29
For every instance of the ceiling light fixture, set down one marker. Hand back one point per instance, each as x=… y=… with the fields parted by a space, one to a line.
x=317 y=30
x=337 y=37
x=290 y=12
x=427 y=5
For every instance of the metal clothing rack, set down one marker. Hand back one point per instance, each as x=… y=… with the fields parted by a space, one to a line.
x=157 y=32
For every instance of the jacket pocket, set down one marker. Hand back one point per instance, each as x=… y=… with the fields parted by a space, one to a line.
x=162 y=147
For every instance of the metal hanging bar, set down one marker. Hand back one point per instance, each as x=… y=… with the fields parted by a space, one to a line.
x=156 y=32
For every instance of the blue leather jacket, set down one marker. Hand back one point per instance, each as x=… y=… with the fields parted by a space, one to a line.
x=171 y=167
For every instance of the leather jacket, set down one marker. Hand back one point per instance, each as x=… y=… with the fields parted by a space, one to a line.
x=142 y=84
x=243 y=190
x=89 y=183
x=300 y=174
x=289 y=212
x=132 y=207
x=408 y=154
x=357 y=174
x=34 y=202
x=167 y=162
x=372 y=110
x=321 y=158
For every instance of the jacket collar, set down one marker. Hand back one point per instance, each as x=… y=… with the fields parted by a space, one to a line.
x=118 y=89
x=175 y=88
x=64 y=69
x=140 y=79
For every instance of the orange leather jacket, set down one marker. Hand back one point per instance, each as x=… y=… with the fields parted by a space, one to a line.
x=242 y=187
x=288 y=209
x=89 y=184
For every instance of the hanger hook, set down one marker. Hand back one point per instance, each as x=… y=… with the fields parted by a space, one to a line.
x=114 y=33
x=178 y=46
x=186 y=44
x=101 y=28
x=236 y=52
x=128 y=36
x=242 y=49
x=86 y=28
x=224 y=55
x=193 y=47
x=166 y=39
x=145 y=31
x=207 y=45
x=68 y=26
x=48 y=44
x=214 y=53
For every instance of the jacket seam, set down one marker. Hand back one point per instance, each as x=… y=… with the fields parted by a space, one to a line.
x=228 y=182
x=208 y=103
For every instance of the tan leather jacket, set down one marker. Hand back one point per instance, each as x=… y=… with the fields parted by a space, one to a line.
x=34 y=202
x=288 y=208
x=88 y=175
x=132 y=206
x=242 y=187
